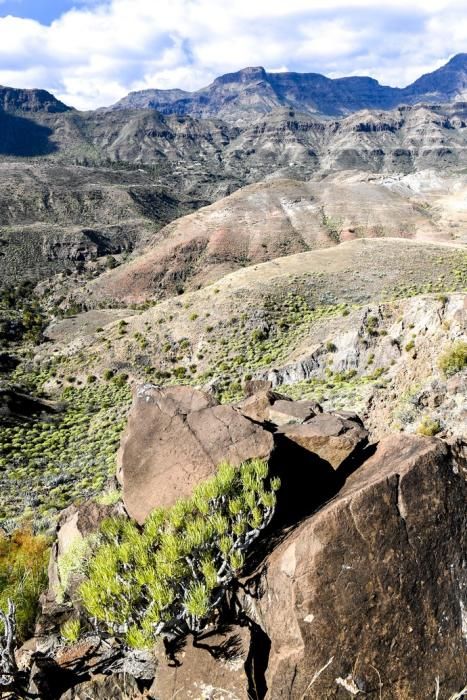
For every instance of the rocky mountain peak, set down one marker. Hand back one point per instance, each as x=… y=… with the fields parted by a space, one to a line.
x=20 y=100
x=245 y=75
x=444 y=84
x=458 y=61
x=252 y=91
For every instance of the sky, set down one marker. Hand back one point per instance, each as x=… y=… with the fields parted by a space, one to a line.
x=90 y=53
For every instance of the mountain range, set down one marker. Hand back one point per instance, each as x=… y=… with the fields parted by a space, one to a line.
x=251 y=92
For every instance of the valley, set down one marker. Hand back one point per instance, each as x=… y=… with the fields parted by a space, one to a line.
x=268 y=274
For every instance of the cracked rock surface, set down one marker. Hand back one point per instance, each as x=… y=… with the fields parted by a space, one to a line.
x=175 y=438
x=370 y=591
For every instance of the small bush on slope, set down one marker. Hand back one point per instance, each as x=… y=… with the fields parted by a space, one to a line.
x=454 y=359
x=23 y=576
x=169 y=578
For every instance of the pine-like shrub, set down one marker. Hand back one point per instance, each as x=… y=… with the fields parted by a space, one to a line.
x=169 y=577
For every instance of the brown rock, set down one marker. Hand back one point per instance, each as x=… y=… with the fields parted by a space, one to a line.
x=176 y=401
x=370 y=592
x=257 y=406
x=100 y=687
x=329 y=436
x=254 y=386
x=214 y=668
x=175 y=438
x=287 y=412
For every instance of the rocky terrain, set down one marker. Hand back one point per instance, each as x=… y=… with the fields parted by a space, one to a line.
x=280 y=217
x=234 y=322
x=334 y=600
x=236 y=97
x=58 y=218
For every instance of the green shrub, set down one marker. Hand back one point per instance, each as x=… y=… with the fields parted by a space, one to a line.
x=428 y=427
x=410 y=345
x=170 y=577
x=179 y=372
x=107 y=374
x=372 y=323
x=258 y=335
x=454 y=359
x=23 y=576
x=120 y=379
x=111 y=262
x=70 y=630
x=109 y=498
x=330 y=346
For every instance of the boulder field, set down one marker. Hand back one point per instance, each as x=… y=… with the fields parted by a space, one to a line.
x=357 y=588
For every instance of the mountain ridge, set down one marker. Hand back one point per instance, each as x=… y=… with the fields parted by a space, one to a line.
x=253 y=91
x=26 y=100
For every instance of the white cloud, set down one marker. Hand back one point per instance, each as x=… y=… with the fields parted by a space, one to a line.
x=95 y=54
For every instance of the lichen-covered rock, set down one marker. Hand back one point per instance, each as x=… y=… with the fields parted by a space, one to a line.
x=175 y=438
x=370 y=593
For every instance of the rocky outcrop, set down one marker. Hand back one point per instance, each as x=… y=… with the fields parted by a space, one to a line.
x=266 y=406
x=357 y=587
x=369 y=594
x=19 y=100
x=329 y=436
x=93 y=668
x=257 y=405
x=287 y=412
x=175 y=438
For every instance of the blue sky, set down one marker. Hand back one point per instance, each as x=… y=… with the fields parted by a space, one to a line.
x=44 y=11
x=92 y=52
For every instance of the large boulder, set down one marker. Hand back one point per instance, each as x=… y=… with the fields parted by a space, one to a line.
x=369 y=595
x=175 y=438
x=331 y=437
